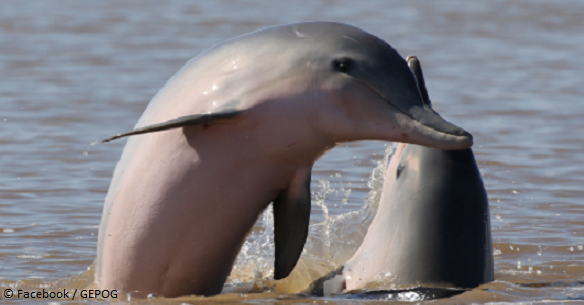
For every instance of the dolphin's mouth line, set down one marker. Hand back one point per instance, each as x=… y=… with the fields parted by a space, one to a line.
x=399 y=109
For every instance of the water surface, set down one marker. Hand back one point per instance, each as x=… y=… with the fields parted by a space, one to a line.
x=510 y=72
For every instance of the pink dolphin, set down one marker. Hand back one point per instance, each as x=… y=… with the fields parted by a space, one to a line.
x=237 y=128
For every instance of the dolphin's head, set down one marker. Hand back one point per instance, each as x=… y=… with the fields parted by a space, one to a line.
x=375 y=91
x=432 y=223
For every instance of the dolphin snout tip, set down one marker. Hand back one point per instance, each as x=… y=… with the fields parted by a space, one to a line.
x=467 y=140
x=463 y=141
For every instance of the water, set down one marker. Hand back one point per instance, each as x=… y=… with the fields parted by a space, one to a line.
x=509 y=72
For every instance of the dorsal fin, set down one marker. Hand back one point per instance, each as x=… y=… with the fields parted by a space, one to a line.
x=416 y=68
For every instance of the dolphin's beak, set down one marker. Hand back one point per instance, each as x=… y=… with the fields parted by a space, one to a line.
x=428 y=128
x=417 y=123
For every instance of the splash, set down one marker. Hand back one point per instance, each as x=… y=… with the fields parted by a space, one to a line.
x=256 y=257
x=330 y=242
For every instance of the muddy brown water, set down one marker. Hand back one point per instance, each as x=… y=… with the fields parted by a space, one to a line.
x=511 y=73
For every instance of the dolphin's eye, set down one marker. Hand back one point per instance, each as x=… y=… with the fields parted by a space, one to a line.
x=343 y=65
x=400 y=169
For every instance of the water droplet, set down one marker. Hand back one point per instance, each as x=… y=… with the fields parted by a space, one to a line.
x=8 y=230
x=510 y=247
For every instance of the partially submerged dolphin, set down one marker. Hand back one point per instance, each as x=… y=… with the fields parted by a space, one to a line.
x=243 y=124
x=432 y=227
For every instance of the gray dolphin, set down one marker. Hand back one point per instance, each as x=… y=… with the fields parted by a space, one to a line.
x=239 y=127
x=432 y=227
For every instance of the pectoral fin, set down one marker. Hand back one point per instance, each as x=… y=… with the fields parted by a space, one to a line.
x=188 y=120
x=291 y=217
